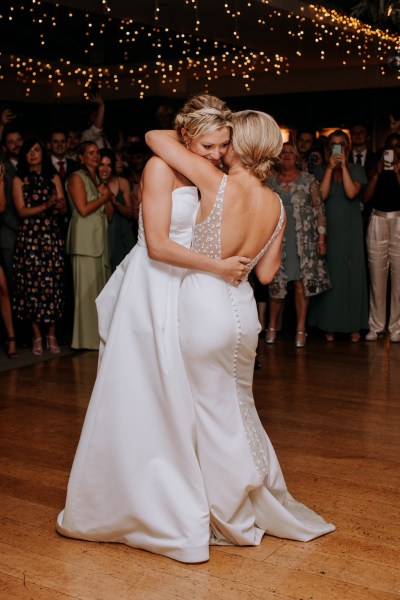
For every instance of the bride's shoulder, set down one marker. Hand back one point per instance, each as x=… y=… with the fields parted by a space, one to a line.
x=157 y=168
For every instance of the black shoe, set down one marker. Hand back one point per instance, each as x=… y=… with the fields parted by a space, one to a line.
x=257 y=364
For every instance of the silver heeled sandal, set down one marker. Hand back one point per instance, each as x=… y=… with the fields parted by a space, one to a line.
x=270 y=335
x=301 y=339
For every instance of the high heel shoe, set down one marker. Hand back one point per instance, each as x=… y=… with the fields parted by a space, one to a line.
x=329 y=336
x=355 y=337
x=11 y=353
x=270 y=335
x=52 y=345
x=37 y=348
x=301 y=339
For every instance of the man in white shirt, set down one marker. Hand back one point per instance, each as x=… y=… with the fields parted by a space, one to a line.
x=95 y=132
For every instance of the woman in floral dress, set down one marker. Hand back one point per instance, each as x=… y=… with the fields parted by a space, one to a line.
x=304 y=244
x=39 y=253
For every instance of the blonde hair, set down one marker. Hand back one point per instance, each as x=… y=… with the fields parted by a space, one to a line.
x=202 y=114
x=257 y=141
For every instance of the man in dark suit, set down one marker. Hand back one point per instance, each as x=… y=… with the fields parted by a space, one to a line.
x=360 y=154
x=9 y=219
x=57 y=146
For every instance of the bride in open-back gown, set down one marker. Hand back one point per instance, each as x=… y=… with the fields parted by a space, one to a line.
x=243 y=482
x=135 y=477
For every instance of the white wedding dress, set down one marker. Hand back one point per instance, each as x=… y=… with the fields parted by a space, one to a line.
x=219 y=328
x=135 y=477
x=163 y=464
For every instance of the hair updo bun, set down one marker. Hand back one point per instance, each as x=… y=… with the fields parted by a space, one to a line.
x=202 y=114
x=257 y=141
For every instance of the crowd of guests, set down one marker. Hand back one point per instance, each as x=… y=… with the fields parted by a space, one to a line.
x=342 y=237
x=68 y=216
x=69 y=209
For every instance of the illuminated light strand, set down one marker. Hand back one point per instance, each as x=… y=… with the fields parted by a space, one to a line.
x=328 y=25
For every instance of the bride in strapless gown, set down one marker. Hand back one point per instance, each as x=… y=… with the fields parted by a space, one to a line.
x=136 y=478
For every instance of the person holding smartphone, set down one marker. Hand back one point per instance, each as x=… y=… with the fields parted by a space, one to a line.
x=383 y=193
x=344 y=308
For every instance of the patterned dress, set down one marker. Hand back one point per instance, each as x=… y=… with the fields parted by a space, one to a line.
x=305 y=219
x=39 y=257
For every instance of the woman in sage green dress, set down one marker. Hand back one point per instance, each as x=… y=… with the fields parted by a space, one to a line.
x=87 y=243
x=344 y=308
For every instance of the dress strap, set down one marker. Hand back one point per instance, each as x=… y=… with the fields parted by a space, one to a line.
x=273 y=236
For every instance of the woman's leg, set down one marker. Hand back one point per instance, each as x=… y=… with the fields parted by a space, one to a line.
x=394 y=261
x=301 y=304
x=275 y=307
x=378 y=253
x=5 y=309
x=52 y=343
x=37 y=347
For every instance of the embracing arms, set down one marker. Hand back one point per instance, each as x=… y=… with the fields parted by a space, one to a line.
x=158 y=182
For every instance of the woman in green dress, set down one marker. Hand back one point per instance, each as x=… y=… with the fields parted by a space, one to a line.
x=120 y=233
x=87 y=243
x=344 y=308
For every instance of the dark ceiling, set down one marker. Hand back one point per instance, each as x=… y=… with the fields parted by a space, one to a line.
x=136 y=35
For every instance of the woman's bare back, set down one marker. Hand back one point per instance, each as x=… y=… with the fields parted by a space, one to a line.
x=250 y=215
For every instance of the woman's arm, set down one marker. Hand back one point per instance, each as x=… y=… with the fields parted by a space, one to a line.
x=325 y=184
x=21 y=208
x=3 y=199
x=125 y=209
x=199 y=170
x=60 y=204
x=76 y=189
x=351 y=188
x=369 y=190
x=320 y=218
x=269 y=264
x=158 y=182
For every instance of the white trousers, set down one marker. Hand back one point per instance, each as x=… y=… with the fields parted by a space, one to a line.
x=383 y=243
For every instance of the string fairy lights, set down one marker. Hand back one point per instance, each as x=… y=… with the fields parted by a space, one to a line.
x=150 y=57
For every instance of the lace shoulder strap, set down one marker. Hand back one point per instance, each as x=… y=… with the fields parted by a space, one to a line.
x=273 y=236
x=207 y=234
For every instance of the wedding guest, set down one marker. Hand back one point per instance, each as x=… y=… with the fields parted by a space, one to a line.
x=344 y=307
x=304 y=244
x=87 y=243
x=383 y=242
x=120 y=234
x=39 y=252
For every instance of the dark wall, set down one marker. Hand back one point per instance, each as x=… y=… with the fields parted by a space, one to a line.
x=316 y=110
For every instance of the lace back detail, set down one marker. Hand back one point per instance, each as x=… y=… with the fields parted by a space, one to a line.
x=207 y=235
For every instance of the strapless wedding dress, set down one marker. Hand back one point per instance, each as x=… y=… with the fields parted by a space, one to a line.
x=135 y=477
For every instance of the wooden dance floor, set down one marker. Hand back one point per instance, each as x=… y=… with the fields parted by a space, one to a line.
x=332 y=412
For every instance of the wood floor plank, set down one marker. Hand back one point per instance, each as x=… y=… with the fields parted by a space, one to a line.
x=116 y=562
x=365 y=573
x=15 y=588
x=332 y=412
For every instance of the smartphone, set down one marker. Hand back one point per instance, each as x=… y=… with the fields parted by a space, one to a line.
x=336 y=149
x=388 y=158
